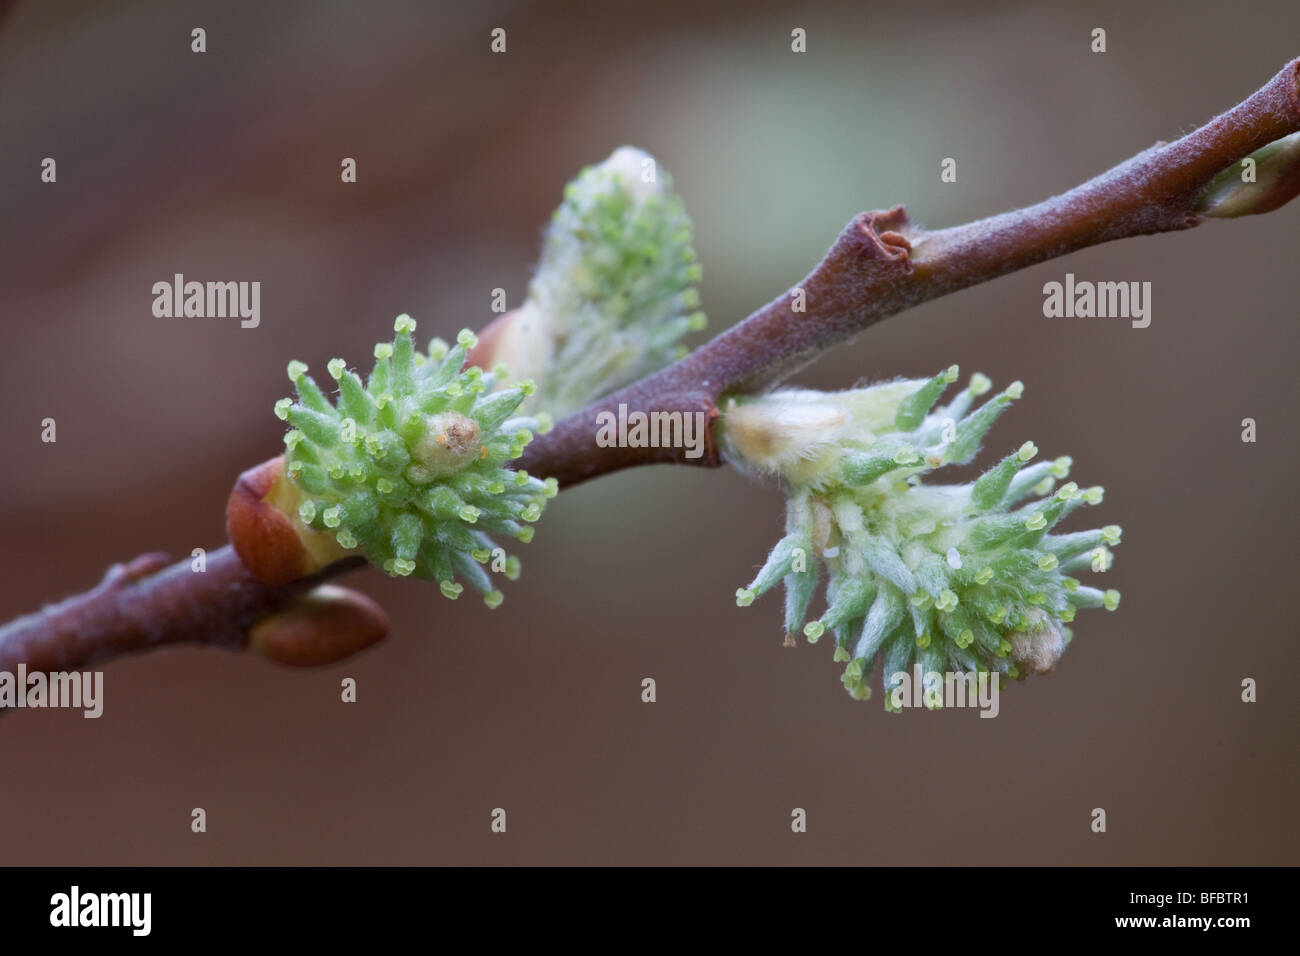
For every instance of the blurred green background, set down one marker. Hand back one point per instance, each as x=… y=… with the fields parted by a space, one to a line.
x=225 y=166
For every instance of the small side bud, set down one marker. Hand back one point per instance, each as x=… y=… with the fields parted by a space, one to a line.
x=1265 y=180
x=327 y=625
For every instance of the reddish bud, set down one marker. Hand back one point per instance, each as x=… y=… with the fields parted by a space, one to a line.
x=263 y=527
x=483 y=354
x=326 y=625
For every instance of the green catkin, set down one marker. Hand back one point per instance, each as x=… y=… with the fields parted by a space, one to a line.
x=410 y=467
x=955 y=577
x=615 y=289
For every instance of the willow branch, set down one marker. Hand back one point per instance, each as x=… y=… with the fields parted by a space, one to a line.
x=879 y=265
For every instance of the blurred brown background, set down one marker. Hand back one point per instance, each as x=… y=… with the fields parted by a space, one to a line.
x=225 y=166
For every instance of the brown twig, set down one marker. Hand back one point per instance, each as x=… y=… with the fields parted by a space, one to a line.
x=880 y=265
x=145 y=604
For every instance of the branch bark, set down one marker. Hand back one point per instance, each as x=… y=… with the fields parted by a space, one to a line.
x=144 y=604
x=881 y=265
x=878 y=266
